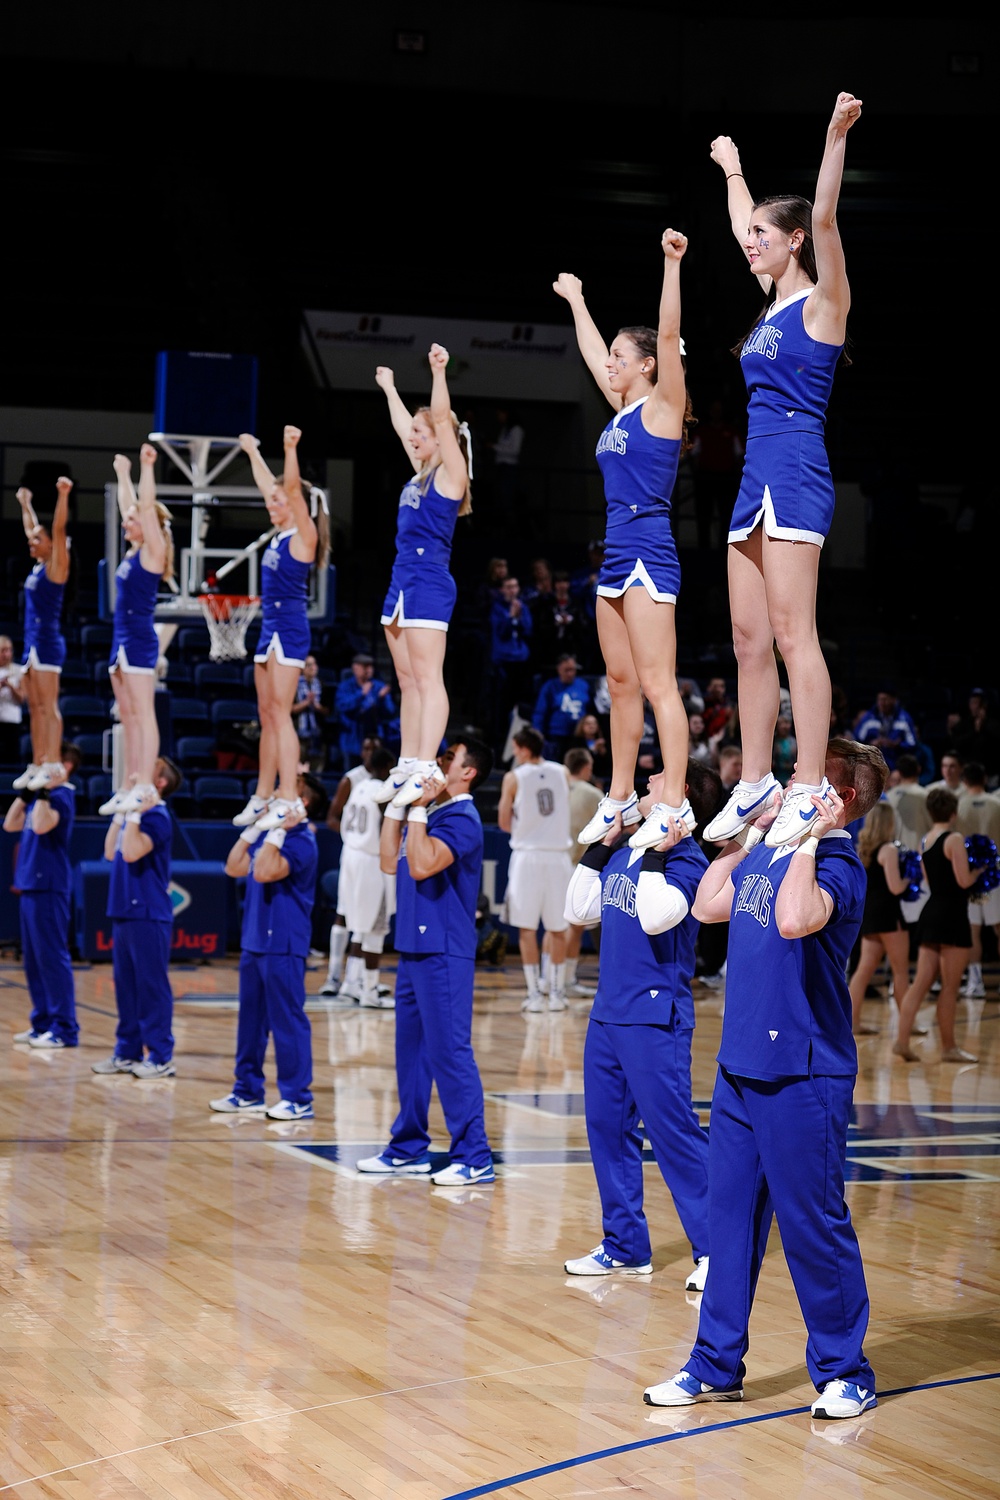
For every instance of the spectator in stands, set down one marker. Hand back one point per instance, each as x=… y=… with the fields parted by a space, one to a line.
x=591 y=736
x=489 y=589
x=976 y=735
x=785 y=750
x=364 y=707
x=558 y=626
x=12 y=695
x=699 y=747
x=717 y=706
x=730 y=768
x=540 y=586
x=887 y=725
x=309 y=713
x=559 y=707
x=511 y=630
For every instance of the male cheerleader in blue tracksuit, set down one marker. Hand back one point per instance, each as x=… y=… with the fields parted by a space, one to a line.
x=782 y=1101
x=438 y=868
x=278 y=898
x=138 y=845
x=637 y=1055
x=42 y=875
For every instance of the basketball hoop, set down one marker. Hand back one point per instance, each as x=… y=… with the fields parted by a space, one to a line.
x=227 y=617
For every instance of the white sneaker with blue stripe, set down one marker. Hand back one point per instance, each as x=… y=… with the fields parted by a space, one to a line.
x=601 y=823
x=460 y=1174
x=797 y=815
x=747 y=801
x=843 y=1398
x=685 y=1390
x=387 y=1165
x=657 y=826
x=233 y=1104
x=285 y=1109
x=600 y=1263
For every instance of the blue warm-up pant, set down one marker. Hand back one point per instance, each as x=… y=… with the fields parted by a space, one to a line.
x=273 y=1000
x=140 y=957
x=779 y=1149
x=45 y=927
x=434 y=1045
x=643 y=1073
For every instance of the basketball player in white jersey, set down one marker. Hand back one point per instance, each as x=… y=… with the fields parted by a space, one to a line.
x=365 y=896
x=534 y=810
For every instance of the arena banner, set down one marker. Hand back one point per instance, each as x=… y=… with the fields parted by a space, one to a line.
x=498 y=361
x=199 y=896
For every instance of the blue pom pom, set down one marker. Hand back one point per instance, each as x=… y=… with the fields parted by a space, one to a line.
x=911 y=870
x=983 y=856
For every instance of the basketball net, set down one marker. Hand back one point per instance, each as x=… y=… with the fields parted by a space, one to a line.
x=227 y=617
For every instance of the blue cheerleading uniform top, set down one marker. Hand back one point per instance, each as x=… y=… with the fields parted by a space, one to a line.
x=284 y=581
x=438 y=914
x=277 y=914
x=141 y=890
x=788 y=1008
x=43 y=858
x=638 y=469
x=645 y=978
x=425 y=525
x=788 y=375
x=135 y=606
x=43 y=602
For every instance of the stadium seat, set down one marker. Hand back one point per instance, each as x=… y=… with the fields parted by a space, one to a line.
x=83 y=713
x=92 y=749
x=225 y=712
x=219 y=796
x=209 y=676
x=194 y=751
x=189 y=715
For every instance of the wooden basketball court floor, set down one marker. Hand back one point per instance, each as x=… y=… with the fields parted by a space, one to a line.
x=194 y=1306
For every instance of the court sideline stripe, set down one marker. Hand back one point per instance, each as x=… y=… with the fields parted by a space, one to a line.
x=673 y=1437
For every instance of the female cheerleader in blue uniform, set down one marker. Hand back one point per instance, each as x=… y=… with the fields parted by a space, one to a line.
x=135 y=647
x=785 y=504
x=422 y=592
x=284 y=643
x=642 y=377
x=44 y=645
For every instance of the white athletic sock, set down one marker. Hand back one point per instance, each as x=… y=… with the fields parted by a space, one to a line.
x=370 y=982
x=570 y=968
x=531 y=977
x=617 y=803
x=974 y=974
x=354 y=974
x=545 y=965
x=557 y=979
x=339 y=937
x=755 y=786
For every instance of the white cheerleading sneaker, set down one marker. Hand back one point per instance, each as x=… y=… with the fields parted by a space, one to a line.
x=604 y=816
x=393 y=783
x=255 y=808
x=743 y=806
x=657 y=826
x=797 y=815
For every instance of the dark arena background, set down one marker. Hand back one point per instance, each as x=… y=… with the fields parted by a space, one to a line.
x=223 y=218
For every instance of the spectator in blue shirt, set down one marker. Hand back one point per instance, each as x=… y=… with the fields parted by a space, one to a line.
x=510 y=654
x=561 y=704
x=364 y=707
x=887 y=725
